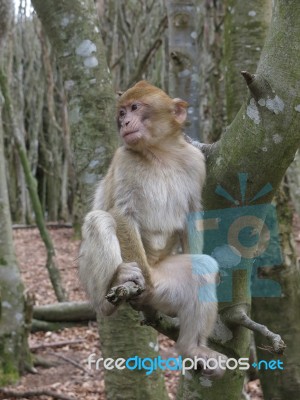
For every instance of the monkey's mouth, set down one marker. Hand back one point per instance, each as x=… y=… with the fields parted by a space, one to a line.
x=131 y=137
x=129 y=133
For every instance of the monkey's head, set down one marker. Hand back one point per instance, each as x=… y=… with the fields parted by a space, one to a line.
x=147 y=115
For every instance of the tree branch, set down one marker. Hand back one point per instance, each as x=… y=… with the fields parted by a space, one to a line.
x=259 y=87
x=124 y=292
x=55 y=344
x=71 y=361
x=65 y=312
x=204 y=147
x=36 y=392
x=238 y=316
x=161 y=323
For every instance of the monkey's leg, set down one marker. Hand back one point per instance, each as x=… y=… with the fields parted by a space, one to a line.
x=185 y=285
x=100 y=260
x=132 y=249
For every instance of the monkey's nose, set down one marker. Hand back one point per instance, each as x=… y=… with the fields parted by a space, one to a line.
x=127 y=122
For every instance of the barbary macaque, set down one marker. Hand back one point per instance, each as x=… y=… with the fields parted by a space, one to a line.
x=140 y=212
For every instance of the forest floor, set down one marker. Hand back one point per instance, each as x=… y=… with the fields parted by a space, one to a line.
x=69 y=376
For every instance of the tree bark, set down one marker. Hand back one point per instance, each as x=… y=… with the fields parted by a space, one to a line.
x=243 y=49
x=265 y=130
x=246 y=25
x=184 y=17
x=212 y=96
x=14 y=353
x=72 y=28
x=64 y=312
x=282 y=313
x=293 y=180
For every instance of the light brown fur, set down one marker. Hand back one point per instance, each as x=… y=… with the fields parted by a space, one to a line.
x=140 y=209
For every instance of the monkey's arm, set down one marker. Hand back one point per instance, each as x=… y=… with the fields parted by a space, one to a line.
x=132 y=248
x=103 y=199
x=123 y=285
x=111 y=252
x=110 y=245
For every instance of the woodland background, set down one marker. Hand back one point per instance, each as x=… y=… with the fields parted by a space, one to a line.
x=58 y=134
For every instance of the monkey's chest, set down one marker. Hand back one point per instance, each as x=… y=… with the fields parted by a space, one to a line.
x=164 y=206
x=160 y=200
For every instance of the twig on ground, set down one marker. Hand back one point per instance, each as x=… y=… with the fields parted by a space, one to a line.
x=55 y=344
x=36 y=392
x=69 y=360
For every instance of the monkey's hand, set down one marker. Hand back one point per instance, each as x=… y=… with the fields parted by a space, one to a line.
x=129 y=272
x=129 y=281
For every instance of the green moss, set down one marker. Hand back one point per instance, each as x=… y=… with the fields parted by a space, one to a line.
x=9 y=372
x=9 y=363
x=7 y=378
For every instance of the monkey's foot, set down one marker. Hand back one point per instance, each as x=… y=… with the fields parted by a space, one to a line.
x=210 y=363
x=126 y=291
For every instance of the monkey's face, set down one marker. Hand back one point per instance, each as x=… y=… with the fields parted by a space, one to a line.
x=147 y=115
x=132 y=122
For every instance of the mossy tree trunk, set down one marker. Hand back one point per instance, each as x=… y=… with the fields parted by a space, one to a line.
x=261 y=142
x=72 y=27
x=246 y=25
x=13 y=332
x=279 y=314
x=73 y=30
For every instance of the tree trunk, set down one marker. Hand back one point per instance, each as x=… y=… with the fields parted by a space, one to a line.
x=293 y=180
x=184 y=17
x=246 y=25
x=12 y=330
x=212 y=96
x=13 y=335
x=124 y=337
x=282 y=313
x=72 y=27
x=87 y=83
x=265 y=130
x=242 y=52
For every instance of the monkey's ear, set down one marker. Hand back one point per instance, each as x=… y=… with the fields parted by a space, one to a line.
x=180 y=110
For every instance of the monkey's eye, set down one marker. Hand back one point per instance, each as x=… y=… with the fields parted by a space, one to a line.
x=122 y=113
x=134 y=107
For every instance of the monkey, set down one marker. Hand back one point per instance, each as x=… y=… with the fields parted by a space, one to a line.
x=140 y=212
